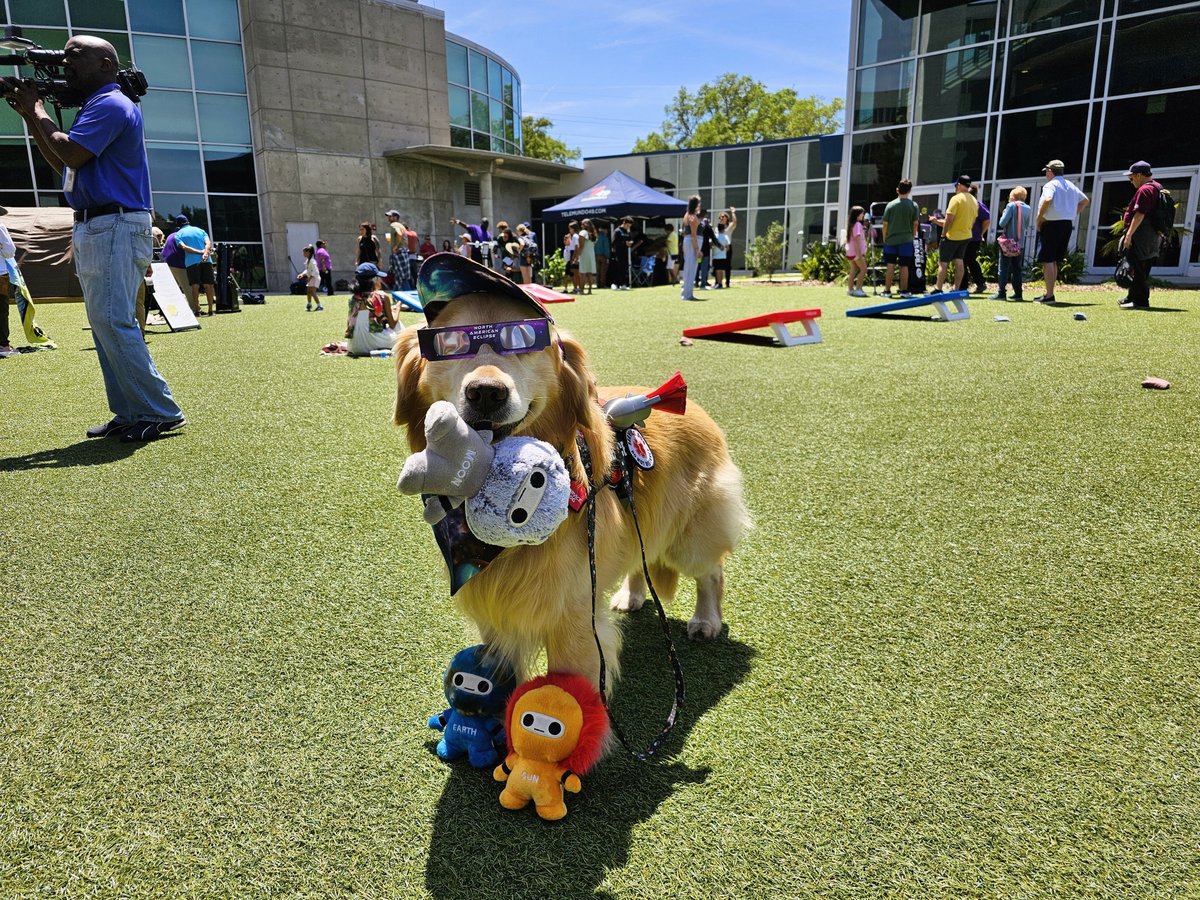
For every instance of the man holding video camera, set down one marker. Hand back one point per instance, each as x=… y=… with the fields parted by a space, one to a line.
x=106 y=180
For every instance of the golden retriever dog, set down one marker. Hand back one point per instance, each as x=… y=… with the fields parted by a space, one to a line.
x=689 y=505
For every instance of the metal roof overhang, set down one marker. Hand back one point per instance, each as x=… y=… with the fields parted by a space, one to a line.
x=478 y=162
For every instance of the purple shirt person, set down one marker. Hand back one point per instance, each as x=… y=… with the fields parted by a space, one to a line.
x=480 y=237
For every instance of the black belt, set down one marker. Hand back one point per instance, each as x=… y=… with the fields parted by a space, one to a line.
x=108 y=209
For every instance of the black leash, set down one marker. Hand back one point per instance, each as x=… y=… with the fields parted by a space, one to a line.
x=626 y=486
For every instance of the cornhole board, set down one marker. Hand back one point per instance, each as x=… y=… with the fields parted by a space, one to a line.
x=410 y=301
x=776 y=321
x=940 y=302
x=546 y=295
x=171 y=302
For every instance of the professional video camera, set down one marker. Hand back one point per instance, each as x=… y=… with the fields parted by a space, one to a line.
x=50 y=74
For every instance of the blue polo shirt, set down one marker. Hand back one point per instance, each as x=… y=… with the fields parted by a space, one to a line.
x=109 y=125
x=193 y=237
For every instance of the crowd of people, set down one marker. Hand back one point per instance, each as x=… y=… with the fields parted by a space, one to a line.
x=965 y=227
x=102 y=160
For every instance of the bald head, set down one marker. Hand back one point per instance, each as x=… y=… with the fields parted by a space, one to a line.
x=91 y=62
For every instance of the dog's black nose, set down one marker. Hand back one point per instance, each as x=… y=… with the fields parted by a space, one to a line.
x=486 y=395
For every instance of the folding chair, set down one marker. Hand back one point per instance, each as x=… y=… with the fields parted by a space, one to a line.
x=643 y=275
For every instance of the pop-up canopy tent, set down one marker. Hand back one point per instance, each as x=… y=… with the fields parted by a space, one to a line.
x=44 y=251
x=615 y=196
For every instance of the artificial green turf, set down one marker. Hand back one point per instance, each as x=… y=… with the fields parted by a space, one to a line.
x=962 y=645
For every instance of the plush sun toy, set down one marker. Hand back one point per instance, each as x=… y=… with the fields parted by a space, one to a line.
x=557 y=726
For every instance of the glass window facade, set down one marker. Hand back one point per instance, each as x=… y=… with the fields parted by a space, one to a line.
x=485 y=100
x=883 y=95
x=995 y=89
x=785 y=181
x=196 y=115
x=954 y=84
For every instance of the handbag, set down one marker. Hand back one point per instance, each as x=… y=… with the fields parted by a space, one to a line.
x=1124 y=273
x=1011 y=246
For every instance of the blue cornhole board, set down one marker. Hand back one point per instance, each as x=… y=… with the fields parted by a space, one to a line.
x=410 y=300
x=957 y=299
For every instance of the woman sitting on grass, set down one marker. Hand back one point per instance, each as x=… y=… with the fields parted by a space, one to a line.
x=372 y=323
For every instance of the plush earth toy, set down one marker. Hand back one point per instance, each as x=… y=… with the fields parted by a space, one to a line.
x=524 y=495
x=477 y=692
x=557 y=726
x=516 y=491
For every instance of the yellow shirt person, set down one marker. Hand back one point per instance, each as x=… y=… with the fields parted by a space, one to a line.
x=964 y=208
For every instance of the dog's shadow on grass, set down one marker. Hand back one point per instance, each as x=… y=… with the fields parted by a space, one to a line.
x=81 y=453
x=479 y=849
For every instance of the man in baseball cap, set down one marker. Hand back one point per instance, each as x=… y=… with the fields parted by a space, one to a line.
x=1141 y=243
x=1060 y=204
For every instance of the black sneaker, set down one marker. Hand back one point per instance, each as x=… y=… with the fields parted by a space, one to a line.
x=936 y=291
x=1129 y=304
x=1046 y=300
x=150 y=431
x=111 y=428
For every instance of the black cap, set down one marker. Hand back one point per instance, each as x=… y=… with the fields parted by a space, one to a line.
x=447 y=276
x=964 y=180
x=1141 y=167
x=181 y=220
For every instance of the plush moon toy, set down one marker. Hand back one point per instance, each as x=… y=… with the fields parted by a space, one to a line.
x=524 y=494
x=516 y=491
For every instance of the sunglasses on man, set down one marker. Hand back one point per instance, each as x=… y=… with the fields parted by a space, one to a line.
x=463 y=341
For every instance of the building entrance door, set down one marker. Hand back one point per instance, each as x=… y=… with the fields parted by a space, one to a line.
x=1114 y=193
x=931 y=201
x=831 y=225
x=299 y=236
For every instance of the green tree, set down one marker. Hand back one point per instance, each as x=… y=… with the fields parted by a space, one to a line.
x=765 y=253
x=538 y=144
x=736 y=109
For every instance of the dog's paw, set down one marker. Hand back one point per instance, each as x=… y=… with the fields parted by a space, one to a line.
x=702 y=629
x=625 y=601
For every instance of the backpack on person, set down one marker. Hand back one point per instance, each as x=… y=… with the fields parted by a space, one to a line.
x=1162 y=217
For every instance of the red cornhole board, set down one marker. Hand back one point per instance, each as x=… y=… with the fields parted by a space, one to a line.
x=776 y=321
x=547 y=295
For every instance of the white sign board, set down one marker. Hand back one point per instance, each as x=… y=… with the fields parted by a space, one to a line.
x=175 y=307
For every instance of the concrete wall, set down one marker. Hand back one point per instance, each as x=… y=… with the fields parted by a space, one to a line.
x=334 y=84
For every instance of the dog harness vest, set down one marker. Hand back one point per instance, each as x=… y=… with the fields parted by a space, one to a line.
x=631 y=445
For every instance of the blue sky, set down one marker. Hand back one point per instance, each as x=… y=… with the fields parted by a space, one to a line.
x=602 y=71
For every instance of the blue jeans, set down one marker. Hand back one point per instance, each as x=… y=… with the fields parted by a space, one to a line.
x=111 y=256
x=705 y=263
x=690 y=266
x=1010 y=270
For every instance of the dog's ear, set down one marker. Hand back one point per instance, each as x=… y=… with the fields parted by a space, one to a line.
x=579 y=403
x=411 y=404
